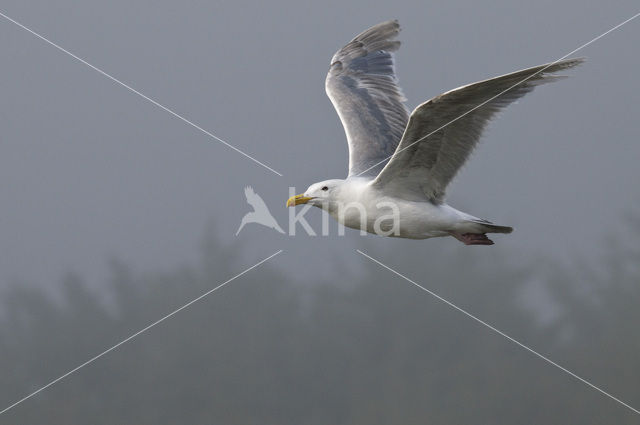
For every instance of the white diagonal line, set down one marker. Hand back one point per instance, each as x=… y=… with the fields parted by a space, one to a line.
x=137 y=333
x=114 y=79
x=499 y=332
x=506 y=90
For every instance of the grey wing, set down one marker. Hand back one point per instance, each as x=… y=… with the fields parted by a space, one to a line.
x=442 y=133
x=363 y=88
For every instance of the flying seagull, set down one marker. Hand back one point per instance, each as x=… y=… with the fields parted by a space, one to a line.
x=406 y=161
x=260 y=213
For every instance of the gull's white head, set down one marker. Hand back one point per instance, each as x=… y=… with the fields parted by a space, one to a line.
x=319 y=194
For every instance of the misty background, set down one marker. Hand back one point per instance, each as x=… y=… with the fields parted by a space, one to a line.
x=114 y=213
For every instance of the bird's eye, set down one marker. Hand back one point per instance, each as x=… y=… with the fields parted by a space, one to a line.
x=324 y=188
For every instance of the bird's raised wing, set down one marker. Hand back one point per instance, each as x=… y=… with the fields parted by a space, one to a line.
x=254 y=200
x=363 y=88
x=442 y=132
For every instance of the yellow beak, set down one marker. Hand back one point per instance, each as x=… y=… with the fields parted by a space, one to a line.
x=297 y=200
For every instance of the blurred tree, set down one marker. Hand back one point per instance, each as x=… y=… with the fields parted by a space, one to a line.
x=380 y=351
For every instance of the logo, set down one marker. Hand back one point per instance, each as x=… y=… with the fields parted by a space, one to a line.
x=260 y=214
x=352 y=214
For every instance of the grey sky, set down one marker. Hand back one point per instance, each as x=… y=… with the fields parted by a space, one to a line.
x=90 y=170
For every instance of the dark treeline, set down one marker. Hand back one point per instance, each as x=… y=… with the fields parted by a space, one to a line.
x=269 y=350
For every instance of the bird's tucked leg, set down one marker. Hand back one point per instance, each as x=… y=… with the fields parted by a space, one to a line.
x=473 y=238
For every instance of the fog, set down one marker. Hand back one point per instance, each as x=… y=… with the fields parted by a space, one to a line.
x=115 y=212
x=368 y=349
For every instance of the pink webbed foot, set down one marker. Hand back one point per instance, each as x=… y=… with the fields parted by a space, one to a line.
x=473 y=238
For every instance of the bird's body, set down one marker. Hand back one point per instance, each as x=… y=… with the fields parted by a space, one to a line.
x=400 y=164
x=360 y=205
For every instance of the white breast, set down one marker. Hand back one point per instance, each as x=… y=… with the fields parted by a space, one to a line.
x=358 y=205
